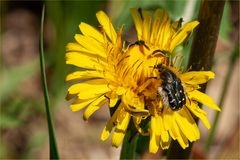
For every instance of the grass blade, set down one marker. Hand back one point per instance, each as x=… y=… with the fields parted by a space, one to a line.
x=52 y=141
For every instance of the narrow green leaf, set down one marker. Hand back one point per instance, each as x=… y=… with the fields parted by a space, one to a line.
x=52 y=141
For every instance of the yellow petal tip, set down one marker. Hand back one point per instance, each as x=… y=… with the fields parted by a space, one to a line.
x=211 y=74
x=104 y=135
x=219 y=109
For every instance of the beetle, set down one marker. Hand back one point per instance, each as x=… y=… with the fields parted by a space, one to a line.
x=171 y=89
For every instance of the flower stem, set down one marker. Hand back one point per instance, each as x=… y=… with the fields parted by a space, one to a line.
x=52 y=141
x=128 y=150
x=175 y=151
x=205 y=40
x=233 y=58
x=202 y=53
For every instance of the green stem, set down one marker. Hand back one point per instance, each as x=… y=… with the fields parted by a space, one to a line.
x=202 y=52
x=128 y=150
x=233 y=59
x=52 y=141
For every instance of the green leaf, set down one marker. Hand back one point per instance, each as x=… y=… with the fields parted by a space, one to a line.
x=142 y=144
x=52 y=141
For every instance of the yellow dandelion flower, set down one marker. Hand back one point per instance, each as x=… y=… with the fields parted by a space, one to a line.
x=132 y=80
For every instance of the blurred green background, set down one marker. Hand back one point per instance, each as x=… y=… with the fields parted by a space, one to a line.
x=23 y=125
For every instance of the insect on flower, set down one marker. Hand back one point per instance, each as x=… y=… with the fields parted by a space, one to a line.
x=171 y=89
